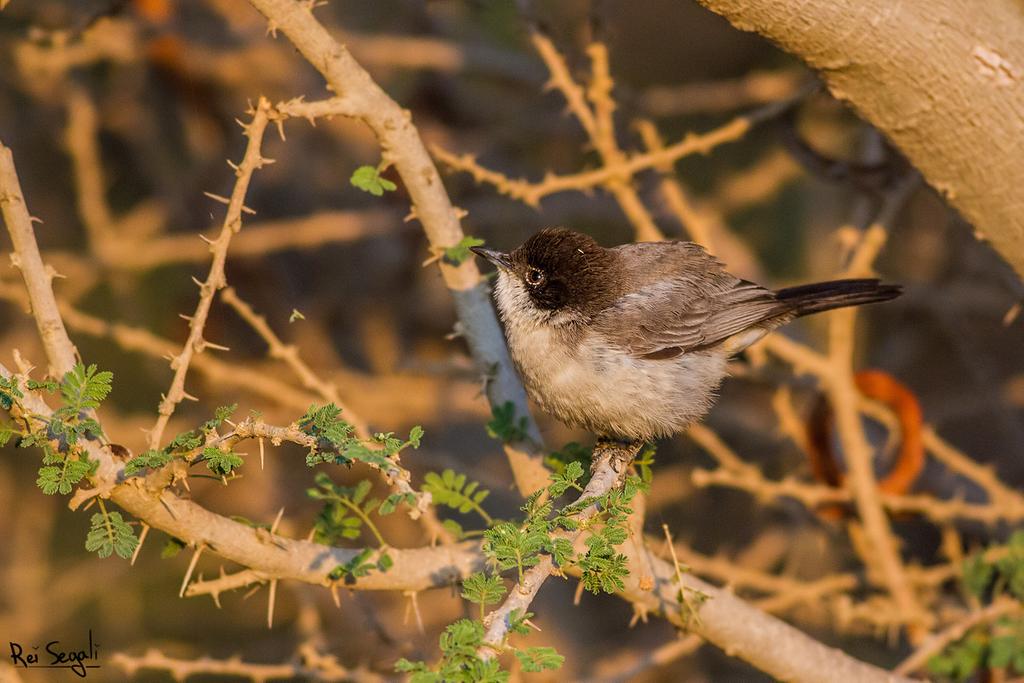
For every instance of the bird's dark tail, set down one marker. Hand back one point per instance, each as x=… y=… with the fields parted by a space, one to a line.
x=824 y=296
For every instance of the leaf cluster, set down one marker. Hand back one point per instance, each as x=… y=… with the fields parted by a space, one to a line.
x=460 y=662
x=369 y=179
x=337 y=442
x=184 y=445
x=345 y=510
x=65 y=462
x=1000 y=645
x=505 y=426
x=108 y=534
x=455 y=491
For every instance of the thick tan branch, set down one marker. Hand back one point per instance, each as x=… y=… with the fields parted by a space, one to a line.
x=943 y=80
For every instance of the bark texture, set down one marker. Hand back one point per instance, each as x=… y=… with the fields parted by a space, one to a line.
x=943 y=79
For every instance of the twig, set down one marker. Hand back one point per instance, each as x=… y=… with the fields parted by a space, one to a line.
x=756 y=87
x=843 y=396
x=215 y=280
x=323 y=669
x=938 y=642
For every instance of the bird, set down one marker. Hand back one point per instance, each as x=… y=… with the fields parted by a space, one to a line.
x=632 y=342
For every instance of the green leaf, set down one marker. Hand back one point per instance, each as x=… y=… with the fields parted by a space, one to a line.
x=454 y=491
x=150 y=459
x=482 y=589
x=84 y=388
x=62 y=479
x=391 y=503
x=6 y=432
x=415 y=436
x=9 y=392
x=535 y=659
x=44 y=385
x=504 y=425
x=221 y=463
x=384 y=562
x=458 y=253
x=517 y=621
x=186 y=441
x=368 y=179
x=567 y=479
x=978 y=574
x=509 y=545
x=357 y=567
x=110 y=534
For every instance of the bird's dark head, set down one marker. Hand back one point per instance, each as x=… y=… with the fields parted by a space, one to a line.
x=556 y=270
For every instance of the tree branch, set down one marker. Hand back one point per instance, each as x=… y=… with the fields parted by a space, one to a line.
x=942 y=80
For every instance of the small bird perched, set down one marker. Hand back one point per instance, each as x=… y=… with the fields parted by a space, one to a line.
x=632 y=342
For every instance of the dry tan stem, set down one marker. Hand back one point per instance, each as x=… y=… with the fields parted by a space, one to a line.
x=258 y=240
x=757 y=87
x=999 y=494
x=180 y=668
x=658 y=657
x=605 y=142
x=813 y=495
x=746 y=632
x=844 y=398
x=215 y=280
x=531 y=193
x=397 y=476
x=401 y=146
x=938 y=642
x=673 y=194
x=60 y=352
x=82 y=144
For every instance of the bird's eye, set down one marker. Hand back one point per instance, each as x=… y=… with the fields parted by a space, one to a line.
x=534 y=276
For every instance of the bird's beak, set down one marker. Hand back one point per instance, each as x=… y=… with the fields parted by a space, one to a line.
x=498 y=258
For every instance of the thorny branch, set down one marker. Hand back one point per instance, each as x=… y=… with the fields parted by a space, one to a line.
x=215 y=280
x=359 y=97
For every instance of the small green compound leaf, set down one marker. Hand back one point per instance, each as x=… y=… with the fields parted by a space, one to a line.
x=44 y=385
x=9 y=392
x=110 y=534
x=415 y=436
x=358 y=567
x=504 y=425
x=150 y=459
x=83 y=387
x=482 y=589
x=221 y=463
x=535 y=659
x=368 y=179
x=61 y=479
x=458 y=253
x=451 y=489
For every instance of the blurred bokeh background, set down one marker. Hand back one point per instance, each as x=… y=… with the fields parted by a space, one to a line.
x=121 y=115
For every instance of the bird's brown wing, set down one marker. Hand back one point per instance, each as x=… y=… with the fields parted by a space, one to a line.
x=682 y=314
